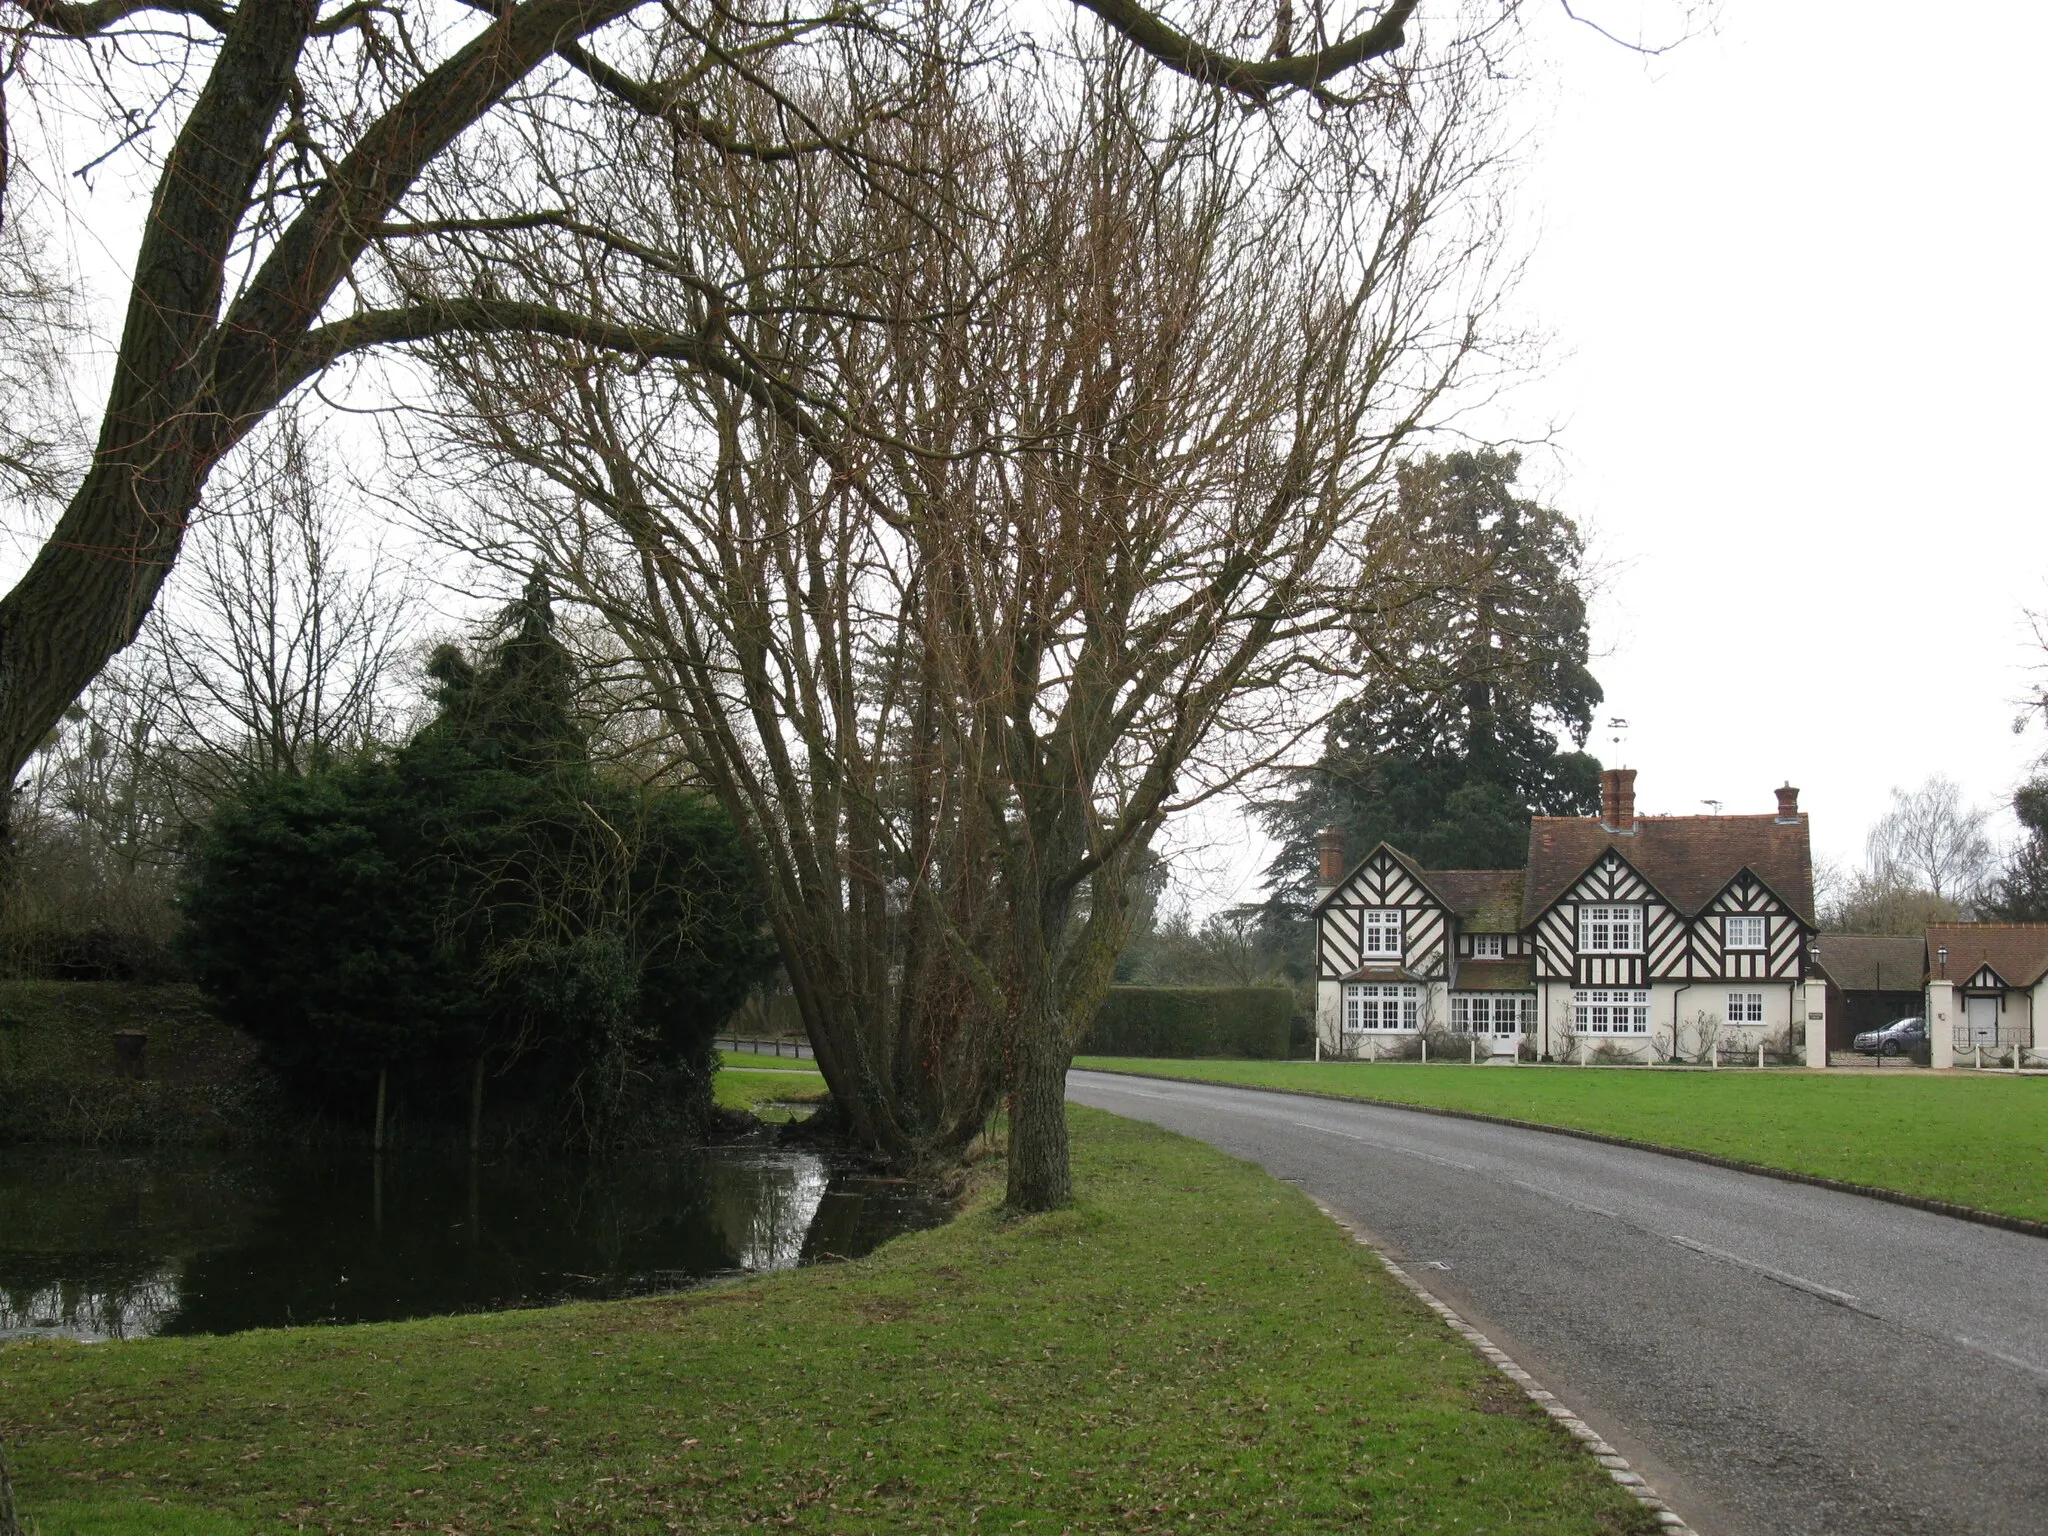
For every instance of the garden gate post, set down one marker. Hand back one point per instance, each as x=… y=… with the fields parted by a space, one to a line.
x=1941 y=1031
x=1816 y=1011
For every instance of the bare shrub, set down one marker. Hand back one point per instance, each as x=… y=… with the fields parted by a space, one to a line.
x=1706 y=1027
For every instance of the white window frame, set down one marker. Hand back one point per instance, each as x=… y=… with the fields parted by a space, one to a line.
x=1374 y=926
x=1519 y=1008
x=1489 y=946
x=1745 y=1007
x=1381 y=1008
x=1744 y=923
x=1611 y=1011
x=1607 y=928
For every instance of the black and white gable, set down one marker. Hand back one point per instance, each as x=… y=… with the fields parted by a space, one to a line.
x=1381 y=920
x=1748 y=932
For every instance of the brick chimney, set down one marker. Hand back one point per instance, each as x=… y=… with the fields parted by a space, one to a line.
x=1329 y=861
x=1788 y=803
x=1618 y=799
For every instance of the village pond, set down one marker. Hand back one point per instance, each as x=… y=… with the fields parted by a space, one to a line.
x=113 y=1244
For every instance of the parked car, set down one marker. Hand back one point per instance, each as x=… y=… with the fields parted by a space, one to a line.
x=1895 y=1039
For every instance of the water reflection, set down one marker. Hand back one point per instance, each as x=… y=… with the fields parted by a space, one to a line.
x=102 y=1245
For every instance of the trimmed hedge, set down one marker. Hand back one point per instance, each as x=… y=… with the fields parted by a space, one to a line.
x=1193 y=1021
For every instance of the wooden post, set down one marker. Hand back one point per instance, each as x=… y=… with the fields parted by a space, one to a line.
x=377 y=1136
x=476 y=1107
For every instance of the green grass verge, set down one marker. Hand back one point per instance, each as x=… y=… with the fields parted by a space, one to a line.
x=1191 y=1348
x=1975 y=1140
x=762 y=1093
x=748 y=1061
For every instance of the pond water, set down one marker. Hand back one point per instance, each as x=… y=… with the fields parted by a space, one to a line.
x=98 y=1245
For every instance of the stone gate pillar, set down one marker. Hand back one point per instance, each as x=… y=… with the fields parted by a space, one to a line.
x=1941 y=1023
x=1815 y=1008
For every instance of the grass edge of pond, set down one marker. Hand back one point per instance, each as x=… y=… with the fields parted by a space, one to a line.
x=1193 y=1339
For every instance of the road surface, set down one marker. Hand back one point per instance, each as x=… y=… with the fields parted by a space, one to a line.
x=1777 y=1360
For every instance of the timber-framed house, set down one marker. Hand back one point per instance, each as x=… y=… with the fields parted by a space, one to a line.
x=1638 y=931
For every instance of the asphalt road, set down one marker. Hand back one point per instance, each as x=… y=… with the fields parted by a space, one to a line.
x=1777 y=1360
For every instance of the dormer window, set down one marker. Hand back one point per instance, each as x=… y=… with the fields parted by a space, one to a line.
x=1381 y=933
x=1610 y=930
x=1489 y=946
x=1742 y=933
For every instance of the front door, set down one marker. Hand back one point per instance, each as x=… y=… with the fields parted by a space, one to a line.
x=1983 y=1021
x=1507 y=1026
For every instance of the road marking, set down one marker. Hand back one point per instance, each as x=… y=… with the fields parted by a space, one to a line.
x=1386 y=1146
x=2001 y=1356
x=1577 y=1205
x=1796 y=1282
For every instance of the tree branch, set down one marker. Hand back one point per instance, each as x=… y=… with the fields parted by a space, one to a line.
x=1257 y=79
x=436 y=319
x=322 y=243
x=90 y=19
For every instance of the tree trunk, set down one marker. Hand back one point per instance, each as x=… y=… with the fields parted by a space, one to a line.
x=377 y=1136
x=476 y=1107
x=1041 y=1178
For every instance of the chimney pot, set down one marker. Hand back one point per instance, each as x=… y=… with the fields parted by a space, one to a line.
x=1329 y=857
x=1618 y=799
x=1788 y=803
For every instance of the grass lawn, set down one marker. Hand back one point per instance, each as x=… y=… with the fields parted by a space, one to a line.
x=745 y=1082
x=1192 y=1348
x=1974 y=1139
x=763 y=1093
x=749 y=1061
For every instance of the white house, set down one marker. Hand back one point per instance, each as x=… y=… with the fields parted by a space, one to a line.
x=1635 y=930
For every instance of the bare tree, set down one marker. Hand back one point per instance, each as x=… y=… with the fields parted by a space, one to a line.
x=1211 y=375
x=276 y=650
x=313 y=147
x=92 y=861
x=1933 y=841
x=1126 y=385
x=42 y=441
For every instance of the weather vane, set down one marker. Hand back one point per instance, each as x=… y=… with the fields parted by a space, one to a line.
x=1619 y=729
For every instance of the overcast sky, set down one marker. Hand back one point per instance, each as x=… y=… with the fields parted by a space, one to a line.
x=1791 y=277
x=1793 y=273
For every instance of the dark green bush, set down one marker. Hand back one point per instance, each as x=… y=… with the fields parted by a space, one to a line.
x=1193 y=1021
x=481 y=895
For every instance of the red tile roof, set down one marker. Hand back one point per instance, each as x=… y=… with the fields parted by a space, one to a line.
x=1688 y=859
x=2017 y=951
